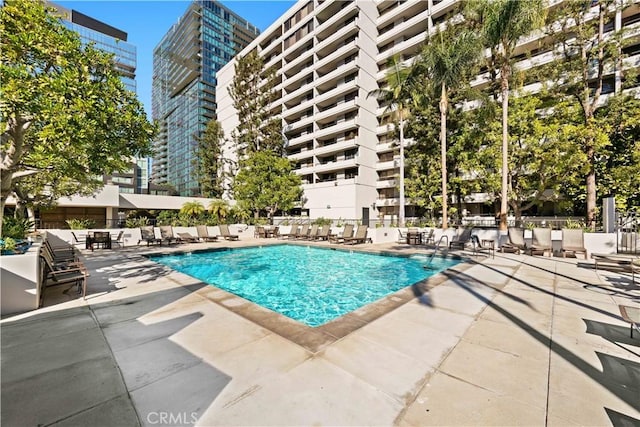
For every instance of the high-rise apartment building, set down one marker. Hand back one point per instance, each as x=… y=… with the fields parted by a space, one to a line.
x=185 y=66
x=112 y=40
x=329 y=55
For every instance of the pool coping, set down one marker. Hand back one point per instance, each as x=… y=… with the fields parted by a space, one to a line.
x=315 y=339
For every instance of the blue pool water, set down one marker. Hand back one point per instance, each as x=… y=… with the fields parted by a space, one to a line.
x=308 y=284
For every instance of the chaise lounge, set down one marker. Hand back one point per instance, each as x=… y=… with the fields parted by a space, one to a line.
x=516 y=241
x=147 y=234
x=573 y=242
x=541 y=241
x=224 y=232
x=203 y=234
x=360 y=236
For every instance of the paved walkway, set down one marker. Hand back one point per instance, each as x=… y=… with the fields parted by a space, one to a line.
x=514 y=340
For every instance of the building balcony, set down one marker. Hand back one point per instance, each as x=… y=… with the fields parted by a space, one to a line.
x=338 y=147
x=411 y=43
x=336 y=166
x=388 y=201
x=336 y=129
x=400 y=29
x=297 y=108
x=297 y=93
x=328 y=45
x=302 y=139
x=290 y=68
x=337 y=110
x=386 y=183
x=389 y=16
x=303 y=122
x=333 y=24
x=386 y=165
x=305 y=170
x=341 y=52
x=328 y=80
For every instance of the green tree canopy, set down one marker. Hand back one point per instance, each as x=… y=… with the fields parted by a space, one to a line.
x=64 y=110
x=252 y=92
x=208 y=160
x=266 y=181
x=192 y=209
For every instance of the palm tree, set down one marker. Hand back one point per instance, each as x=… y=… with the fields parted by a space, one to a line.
x=397 y=96
x=192 y=209
x=447 y=59
x=503 y=23
x=220 y=209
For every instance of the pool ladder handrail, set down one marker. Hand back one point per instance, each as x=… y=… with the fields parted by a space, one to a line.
x=435 y=250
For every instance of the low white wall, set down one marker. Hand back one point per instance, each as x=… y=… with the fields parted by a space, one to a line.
x=19 y=291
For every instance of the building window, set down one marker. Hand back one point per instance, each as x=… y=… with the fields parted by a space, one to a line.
x=350 y=173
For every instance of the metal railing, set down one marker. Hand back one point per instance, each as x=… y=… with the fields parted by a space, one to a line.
x=628 y=232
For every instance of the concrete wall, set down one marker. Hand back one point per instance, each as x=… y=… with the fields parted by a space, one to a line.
x=19 y=290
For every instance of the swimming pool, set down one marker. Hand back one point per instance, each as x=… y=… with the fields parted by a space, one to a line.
x=308 y=284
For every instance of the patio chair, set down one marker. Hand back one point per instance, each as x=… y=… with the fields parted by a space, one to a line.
x=226 y=234
x=483 y=245
x=119 y=240
x=542 y=241
x=99 y=239
x=631 y=315
x=429 y=237
x=462 y=237
x=60 y=253
x=166 y=235
x=313 y=233
x=187 y=238
x=346 y=234
x=323 y=234
x=573 y=241
x=55 y=274
x=360 y=236
x=76 y=240
x=147 y=234
x=203 y=234
x=516 y=241
x=402 y=237
x=304 y=232
x=293 y=233
x=260 y=232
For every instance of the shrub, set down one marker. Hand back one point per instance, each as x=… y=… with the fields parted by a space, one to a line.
x=137 y=222
x=166 y=217
x=322 y=221
x=8 y=244
x=16 y=228
x=80 y=223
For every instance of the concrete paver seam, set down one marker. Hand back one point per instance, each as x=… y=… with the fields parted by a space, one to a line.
x=56 y=422
x=549 y=353
x=95 y=319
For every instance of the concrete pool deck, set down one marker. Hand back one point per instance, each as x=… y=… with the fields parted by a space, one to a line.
x=515 y=340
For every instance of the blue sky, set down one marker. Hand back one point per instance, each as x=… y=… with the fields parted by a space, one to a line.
x=147 y=21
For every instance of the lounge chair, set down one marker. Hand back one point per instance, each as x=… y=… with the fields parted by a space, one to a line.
x=462 y=237
x=573 y=241
x=323 y=234
x=147 y=234
x=360 y=236
x=203 y=234
x=542 y=241
x=304 y=232
x=293 y=233
x=187 y=238
x=618 y=262
x=55 y=273
x=483 y=245
x=224 y=232
x=119 y=240
x=516 y=241
x=81 y=240
x=260 y=232
x=346 y=234
x=166 y=235
x=313 y=232
x=632 y=316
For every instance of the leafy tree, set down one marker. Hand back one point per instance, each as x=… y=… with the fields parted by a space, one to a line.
x=219 y=209
x=397 y=96
x=502 y=23
x=448 y=59
x=587 y=53
x=619 y=163
x=252 y=92
x=208 y=160
x=266 y=181
x=65 y=113
x=192 y=209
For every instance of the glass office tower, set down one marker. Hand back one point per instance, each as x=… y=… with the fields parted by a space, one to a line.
x=185 y=63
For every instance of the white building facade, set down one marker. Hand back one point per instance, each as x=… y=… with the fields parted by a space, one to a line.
x=329 y=56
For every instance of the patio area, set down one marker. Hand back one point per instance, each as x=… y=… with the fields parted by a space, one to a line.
x=510 y=340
